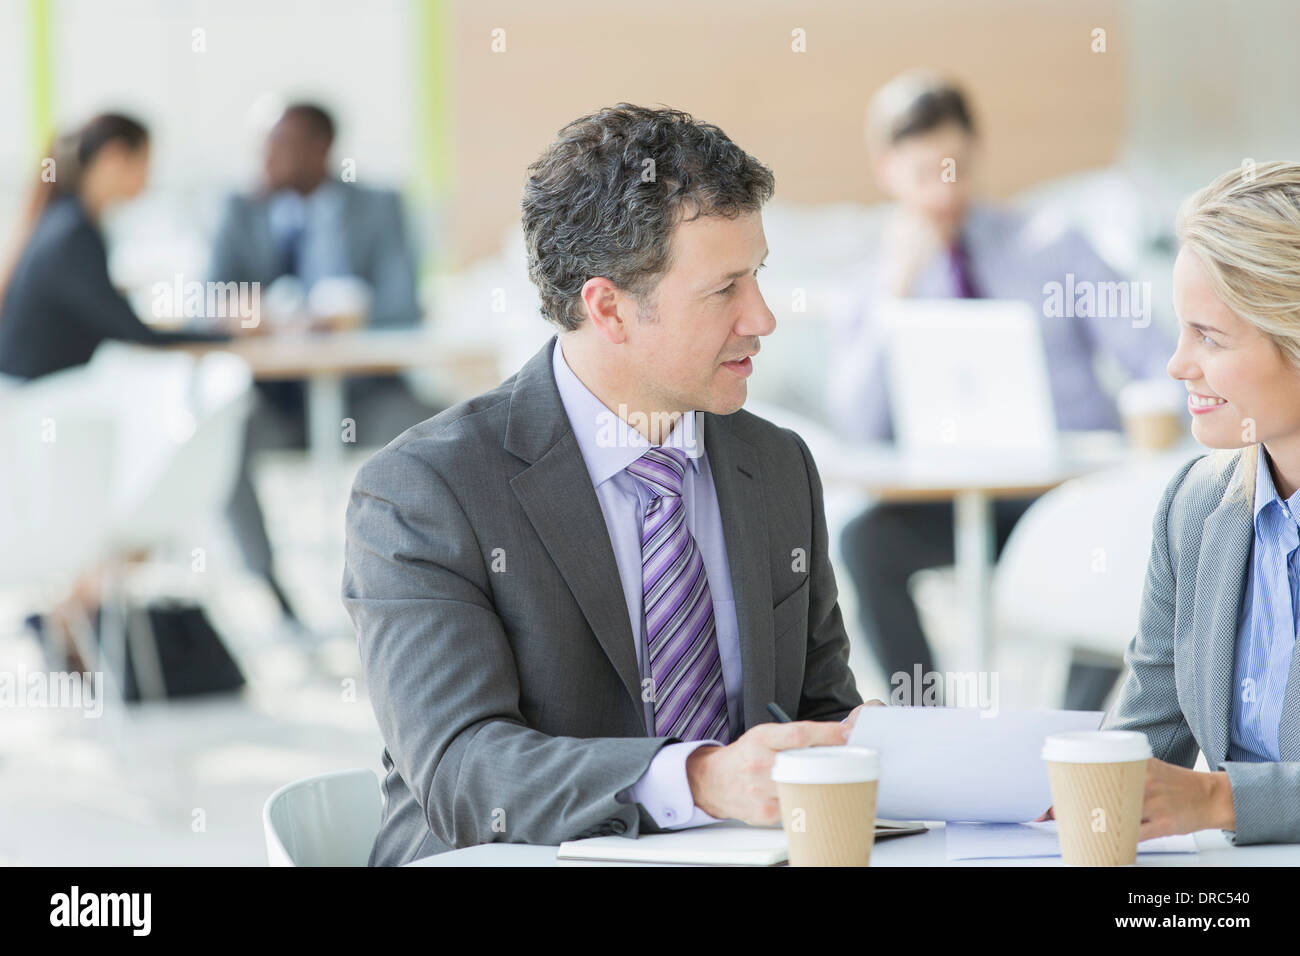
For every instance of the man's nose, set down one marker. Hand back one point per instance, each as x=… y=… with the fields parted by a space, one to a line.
x=758 y=318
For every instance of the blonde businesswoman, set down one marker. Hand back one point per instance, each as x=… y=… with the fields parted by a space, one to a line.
x=1213 y=663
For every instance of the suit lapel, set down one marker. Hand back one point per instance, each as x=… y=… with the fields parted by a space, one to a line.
x=1221 y=574
x=1287 y=742
x=265 y=250
x=1288 y=745
x=556 y=494
x=350 y=217
x=734 y=464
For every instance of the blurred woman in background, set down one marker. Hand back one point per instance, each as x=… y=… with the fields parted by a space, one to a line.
x=58 y=303
x=1212 y=666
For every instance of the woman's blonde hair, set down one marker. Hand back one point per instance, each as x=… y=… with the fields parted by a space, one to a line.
x=1245 y=229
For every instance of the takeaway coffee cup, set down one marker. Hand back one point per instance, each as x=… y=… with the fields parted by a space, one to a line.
x=1154 y=414
x=1098 y=779
x=828 y=804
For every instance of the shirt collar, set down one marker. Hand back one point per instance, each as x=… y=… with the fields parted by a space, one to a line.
x=290 y=200
x=608 y=443
x=1266 y=491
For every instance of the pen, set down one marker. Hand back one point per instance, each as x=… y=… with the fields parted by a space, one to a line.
x=775 y=710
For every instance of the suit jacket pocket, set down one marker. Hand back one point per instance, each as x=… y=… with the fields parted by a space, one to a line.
x=792 y=609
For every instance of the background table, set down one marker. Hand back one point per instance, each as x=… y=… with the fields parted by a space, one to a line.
x=926 y=849
x=972 y=488
x=326 y=359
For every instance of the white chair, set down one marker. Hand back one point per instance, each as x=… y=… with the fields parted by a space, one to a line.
x=121 y=454
x=57 y=487
x=56 y=483
x=180 y=440
x=1072 y=571
x=329 y=820
x=324 y=821
x=180 y=437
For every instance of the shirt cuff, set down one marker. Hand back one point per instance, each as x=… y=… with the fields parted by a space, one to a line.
x=664 y=791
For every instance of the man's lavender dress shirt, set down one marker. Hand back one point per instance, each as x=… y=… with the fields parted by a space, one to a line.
x=662 y=789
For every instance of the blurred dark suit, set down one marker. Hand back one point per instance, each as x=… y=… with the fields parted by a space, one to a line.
x=340 y=229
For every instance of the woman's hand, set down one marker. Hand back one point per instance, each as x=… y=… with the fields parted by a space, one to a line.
x=1178 y=800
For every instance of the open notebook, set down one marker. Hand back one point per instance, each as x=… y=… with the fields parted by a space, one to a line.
x=721 y=844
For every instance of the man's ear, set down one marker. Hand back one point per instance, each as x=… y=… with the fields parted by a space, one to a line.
x=602 y=300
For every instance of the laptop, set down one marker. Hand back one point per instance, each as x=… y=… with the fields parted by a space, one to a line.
x=968 y=387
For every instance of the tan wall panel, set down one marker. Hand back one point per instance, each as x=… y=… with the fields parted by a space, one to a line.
x=1048 y=104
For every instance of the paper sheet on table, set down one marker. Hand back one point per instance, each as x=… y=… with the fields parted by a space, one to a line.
x=988 y=841
x=963 y=763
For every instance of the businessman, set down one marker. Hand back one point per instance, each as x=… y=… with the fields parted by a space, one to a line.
x=307 y=223
x=576 y=594
x=943 y=242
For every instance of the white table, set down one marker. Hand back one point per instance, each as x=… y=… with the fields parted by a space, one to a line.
x=325 y=360
x=926 y=849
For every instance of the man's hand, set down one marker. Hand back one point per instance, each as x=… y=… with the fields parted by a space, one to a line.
x=910 y=240
x=852 y=718
x=735 y=781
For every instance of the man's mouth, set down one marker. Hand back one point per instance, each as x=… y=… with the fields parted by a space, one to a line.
x=743 y=367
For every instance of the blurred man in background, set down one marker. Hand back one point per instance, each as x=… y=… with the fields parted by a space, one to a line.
x=306 y=229
x=941 y=243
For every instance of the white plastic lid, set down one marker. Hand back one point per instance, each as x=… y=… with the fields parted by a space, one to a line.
x=840 y=764
x=1097 y=746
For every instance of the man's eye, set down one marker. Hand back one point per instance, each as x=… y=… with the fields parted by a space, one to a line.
x=728 y=289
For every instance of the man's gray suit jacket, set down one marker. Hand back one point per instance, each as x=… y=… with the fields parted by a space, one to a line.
x=494 y=634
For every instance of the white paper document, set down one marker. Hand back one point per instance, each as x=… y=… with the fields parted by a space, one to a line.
x=963 y=763
x=989 y=841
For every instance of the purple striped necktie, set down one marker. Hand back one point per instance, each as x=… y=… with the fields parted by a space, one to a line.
x=959 y=265
x=690 y=699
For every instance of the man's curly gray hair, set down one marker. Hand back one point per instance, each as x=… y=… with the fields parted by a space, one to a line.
x=604 y=197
